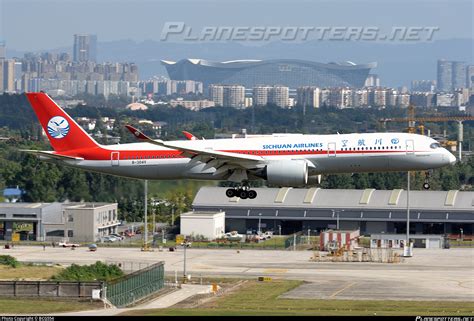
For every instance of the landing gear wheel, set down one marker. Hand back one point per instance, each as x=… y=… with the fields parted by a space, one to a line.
x=230 y=192
x=252 y=194
x=243 y=194
x=426 y=184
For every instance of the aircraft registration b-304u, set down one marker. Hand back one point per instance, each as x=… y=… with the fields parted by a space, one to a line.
x=291 y=160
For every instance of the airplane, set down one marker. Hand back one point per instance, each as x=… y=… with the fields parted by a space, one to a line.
x=291 y=160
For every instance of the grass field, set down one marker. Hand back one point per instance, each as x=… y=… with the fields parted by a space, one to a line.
x=17 y=305
x=261 y=298
x=27 y=272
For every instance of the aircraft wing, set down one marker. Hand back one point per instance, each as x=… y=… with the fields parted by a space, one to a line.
x=192 y=152
x=50 y=154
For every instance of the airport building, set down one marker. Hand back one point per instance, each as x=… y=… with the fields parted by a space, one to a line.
x=371 y=211
x=78 y=222
x=290 y=73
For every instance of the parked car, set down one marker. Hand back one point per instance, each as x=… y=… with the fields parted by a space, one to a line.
x=129 y=233
x=268 y=234
x=120 y=237
x=67 y=244
x=110 y=238
x=233 y=236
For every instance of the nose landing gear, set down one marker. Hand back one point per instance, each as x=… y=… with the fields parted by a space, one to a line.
x=426 y=184
x=242 y=192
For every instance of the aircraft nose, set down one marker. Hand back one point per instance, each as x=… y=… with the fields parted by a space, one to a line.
x=452 y=159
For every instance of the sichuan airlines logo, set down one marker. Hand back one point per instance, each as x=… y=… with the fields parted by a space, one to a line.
x=58 y=127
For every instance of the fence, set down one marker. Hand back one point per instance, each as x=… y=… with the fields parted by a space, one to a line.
x=136 y=285
x=131 y=266
x=293 y=240
x=49 y=289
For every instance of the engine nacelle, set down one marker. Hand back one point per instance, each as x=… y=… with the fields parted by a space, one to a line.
x=291 y=173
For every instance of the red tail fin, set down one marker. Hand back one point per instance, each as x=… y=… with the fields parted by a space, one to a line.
x=63 y=132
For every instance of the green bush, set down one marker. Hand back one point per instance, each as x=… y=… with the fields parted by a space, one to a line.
x=9 y=261
x=95 y=272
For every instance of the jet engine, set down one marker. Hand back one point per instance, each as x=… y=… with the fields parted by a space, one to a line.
x=292 y=173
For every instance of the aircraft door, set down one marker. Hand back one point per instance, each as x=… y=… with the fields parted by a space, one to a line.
x=114 y=157
x=332 y=149
x=410 y=147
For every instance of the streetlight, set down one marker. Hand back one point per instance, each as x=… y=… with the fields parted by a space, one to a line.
x=337 y=217
x=259 y=221
x=185 y=245
x=172 y=215
x=154 y=222
x=145 y=236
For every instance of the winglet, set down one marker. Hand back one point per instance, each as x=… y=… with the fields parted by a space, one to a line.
x=188 y=135
x=137 y=133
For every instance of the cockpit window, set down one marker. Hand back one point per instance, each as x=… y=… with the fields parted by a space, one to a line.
x=435 y=145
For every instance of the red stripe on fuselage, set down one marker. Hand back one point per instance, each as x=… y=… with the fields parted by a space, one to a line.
x=99 y=153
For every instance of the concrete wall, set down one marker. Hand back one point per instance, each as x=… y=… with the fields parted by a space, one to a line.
x=48 y=289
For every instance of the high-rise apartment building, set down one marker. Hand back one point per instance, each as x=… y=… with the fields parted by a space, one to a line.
x=308 y=96
x=234 y=96
x=260 y=95
x=3 y=50
x=372 y=80
x=85 y=48
x=423 y=85
x=451 y=75
x=470 y=76
x=279 y=96
x=216 y=93
x=445 y=75
x=8 y=75
x=459 y=74
x=228 y=95
x=340 y=97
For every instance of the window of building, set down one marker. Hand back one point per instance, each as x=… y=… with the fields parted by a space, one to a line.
x=70 y=233
x=55 y=233
x=70 y=218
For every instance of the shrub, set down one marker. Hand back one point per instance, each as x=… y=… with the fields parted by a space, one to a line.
x=9 y=261
x=95 y=272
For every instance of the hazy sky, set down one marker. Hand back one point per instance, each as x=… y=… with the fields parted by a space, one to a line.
x=46 y=24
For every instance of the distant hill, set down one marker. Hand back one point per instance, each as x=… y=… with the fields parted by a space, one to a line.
x=398 y=63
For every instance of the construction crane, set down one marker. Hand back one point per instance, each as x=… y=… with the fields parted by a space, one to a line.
x=412 y=127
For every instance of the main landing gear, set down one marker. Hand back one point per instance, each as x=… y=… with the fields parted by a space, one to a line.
x=242 y=191
x=426 y=184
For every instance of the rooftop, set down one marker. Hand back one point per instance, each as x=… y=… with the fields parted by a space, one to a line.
x=314 y=198
x=24 y=205
x=347 y=65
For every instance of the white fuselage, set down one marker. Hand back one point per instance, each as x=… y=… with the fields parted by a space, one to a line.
x=340 y=153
